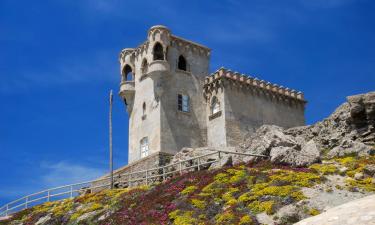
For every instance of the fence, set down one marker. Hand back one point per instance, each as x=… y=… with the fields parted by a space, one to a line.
x=129 y=179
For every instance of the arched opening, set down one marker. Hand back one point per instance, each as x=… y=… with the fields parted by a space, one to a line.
x=144 y=66
x=181 y=65
x=158 y=52
x=128 y=73
x=215 y=105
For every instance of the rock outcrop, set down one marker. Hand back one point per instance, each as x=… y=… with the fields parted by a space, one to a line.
x=349 y=130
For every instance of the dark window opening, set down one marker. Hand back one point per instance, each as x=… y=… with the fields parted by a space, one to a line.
x=182 y=63
x=144 y=108
x=158 y=52
x=144 y=66
x=128 y=73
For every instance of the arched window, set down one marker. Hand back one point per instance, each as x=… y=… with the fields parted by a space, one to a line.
x=128 y=73
x=215 y=105
x=158 y=52
x=144 y=66
x=181 y=63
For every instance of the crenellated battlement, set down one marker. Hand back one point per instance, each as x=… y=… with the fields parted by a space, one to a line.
x=214 y=79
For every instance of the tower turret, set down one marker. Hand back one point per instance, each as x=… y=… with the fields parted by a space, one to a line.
x=127 y=85
x=159 y=41
x=161 y=85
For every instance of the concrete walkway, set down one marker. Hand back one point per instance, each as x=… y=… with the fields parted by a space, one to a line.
x=357 y=212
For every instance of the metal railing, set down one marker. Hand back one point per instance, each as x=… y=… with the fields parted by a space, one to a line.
x=128 y=179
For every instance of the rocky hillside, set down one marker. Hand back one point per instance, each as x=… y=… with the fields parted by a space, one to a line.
x=310 y=169
x=260 y=193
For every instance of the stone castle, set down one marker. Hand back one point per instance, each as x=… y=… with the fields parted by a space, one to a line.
x=174 y=102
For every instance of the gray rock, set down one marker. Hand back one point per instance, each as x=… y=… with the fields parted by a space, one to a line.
x=369 y=170
x=343 y=170
x=358 y=176
x=87 y=216
x=44 y=220
x=349 y=147
x=290 y=214
x=292 y=156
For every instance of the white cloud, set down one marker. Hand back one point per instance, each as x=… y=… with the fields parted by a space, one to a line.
x=50 y=175
x=62 y=173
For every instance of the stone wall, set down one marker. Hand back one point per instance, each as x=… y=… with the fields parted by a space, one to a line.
x=216 y=131
x=248 y=109
x=247 y=103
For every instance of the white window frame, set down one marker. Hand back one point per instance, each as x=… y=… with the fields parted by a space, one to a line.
x=184 y=105
x=144 y=147
x=215 y=106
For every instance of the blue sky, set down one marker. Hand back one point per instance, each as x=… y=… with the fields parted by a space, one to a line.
x=58 y=61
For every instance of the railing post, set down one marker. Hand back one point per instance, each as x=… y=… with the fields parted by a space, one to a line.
x=71 y=191
x=7 y=209
x=27 y=202
x=48 y=195
x=147 y=177
x=219 y=158
x=199 y=168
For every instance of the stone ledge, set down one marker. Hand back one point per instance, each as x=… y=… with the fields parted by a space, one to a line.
x=215 y=115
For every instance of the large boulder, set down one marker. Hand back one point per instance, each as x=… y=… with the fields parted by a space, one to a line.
x=308 y=154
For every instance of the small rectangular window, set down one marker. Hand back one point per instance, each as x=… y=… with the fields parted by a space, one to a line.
x=183 y=102
x=144 y=147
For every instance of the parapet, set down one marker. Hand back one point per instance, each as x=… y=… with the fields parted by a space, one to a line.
x=250 y=81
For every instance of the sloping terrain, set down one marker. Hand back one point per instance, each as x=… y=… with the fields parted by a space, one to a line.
x=260 y=193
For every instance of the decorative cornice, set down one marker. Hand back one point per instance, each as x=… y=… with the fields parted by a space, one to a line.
x=182 y=43
x=242 y=80
x=124 y=53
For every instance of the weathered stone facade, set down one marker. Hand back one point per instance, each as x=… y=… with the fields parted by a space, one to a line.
x=169 y=96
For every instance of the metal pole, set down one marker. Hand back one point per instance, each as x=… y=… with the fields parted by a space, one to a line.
x=199 y=168
x=110 y=137
x=219 y=158
x=146 y=177
x=71 y=191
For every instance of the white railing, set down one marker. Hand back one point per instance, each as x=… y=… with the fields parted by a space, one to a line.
x=128 y=179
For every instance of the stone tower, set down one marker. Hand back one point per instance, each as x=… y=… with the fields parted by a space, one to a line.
x=162 y=85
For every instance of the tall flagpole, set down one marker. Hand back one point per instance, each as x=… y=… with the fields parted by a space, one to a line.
x=110 y=137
